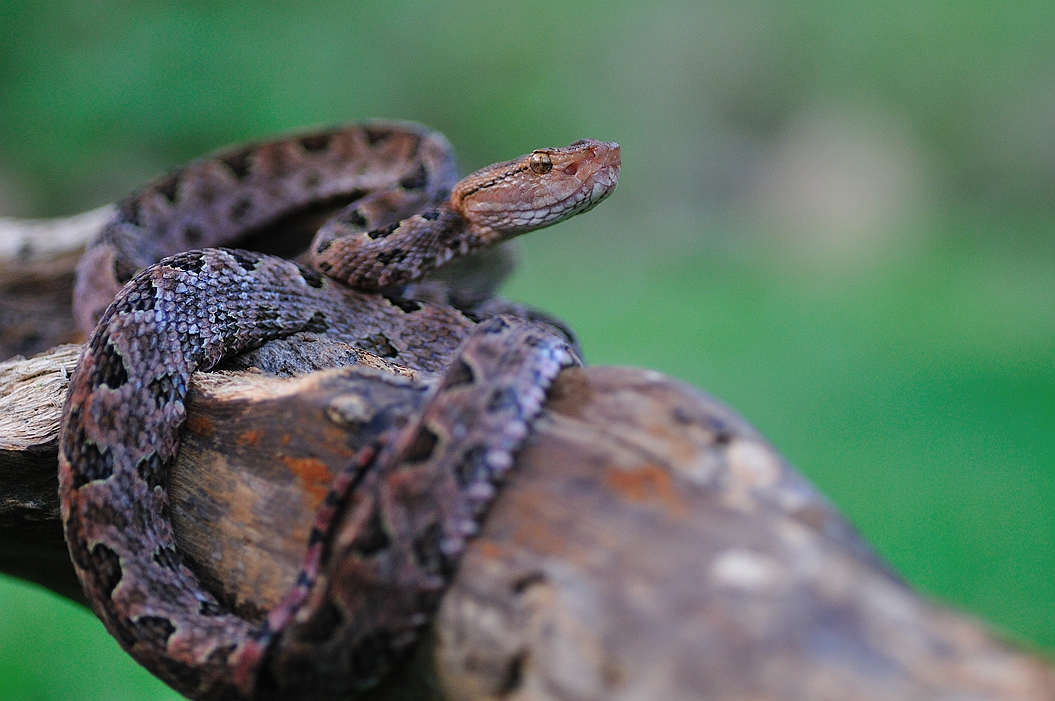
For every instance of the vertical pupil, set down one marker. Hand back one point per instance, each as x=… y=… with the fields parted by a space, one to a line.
x=541 y=164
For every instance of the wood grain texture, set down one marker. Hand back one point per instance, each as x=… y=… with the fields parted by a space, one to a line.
x=37 y=262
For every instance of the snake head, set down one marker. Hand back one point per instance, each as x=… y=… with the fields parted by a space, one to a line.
x=544 y=187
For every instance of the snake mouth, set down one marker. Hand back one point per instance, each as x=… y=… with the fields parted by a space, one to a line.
x=606 y=175
x=601 y=184
x=604 y=182
x=606 y=172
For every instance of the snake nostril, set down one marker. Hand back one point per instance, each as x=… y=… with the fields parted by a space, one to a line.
x=571 y=169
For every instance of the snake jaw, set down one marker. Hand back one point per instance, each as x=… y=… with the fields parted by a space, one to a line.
x=518 y=196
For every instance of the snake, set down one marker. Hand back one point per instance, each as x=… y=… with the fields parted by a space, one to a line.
x=164 y=296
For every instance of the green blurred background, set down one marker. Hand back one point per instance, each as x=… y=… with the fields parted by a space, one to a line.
x=836 y=217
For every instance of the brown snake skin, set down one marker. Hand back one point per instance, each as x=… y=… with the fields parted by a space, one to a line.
x=387 y=538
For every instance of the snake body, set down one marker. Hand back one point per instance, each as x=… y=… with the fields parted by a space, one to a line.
x=395 y=521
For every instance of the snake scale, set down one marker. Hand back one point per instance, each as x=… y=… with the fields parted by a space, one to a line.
x=388 y=535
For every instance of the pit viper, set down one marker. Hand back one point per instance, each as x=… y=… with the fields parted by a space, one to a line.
x=164 y=298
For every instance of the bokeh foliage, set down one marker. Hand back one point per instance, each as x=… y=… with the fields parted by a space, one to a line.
x=837 y=217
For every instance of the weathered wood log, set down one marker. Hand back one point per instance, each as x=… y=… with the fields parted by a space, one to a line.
x=37 y=258
x=649 y=545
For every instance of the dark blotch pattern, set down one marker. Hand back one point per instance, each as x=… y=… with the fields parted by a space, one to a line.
x=128 y=211
x=168 y=558
x=240 y=162
x=407 y=305
x=379 y=344
x=79 y=554
x=169 y=186
x=374 y=537
x=152 y=470
x=723 y=434
x=139 y=302
x=513 y=676
x=459 y=373
x=95 y=464
x=323 y=624
x=312 y=278
x=422 y=447
x=192 y=235
x=431 y=215
x=107 y=566
x=316 y=142
x=315 y=538
x=395 y=255
x=472 y=467
x=375 y=136
x=268 y=318
x=246 y=260
x=525 y=582
x=166 y=389
x=190 y=261
x=356 y=219
x=384 y=232
x=682 y=416
x=124 y=269
x=427 y=551
x=493 y=325
x=317 y=323
x=211 y=608
x=109 y=367
x=416 y=180
x=240 y=208
x=155 y=629
x=502 y=399
x=126 y=633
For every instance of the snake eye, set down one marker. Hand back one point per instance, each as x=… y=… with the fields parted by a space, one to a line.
x=540 y=163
